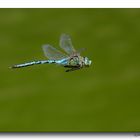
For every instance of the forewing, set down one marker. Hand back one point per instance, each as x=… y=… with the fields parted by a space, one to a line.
x=66 y=44
x=52 y=53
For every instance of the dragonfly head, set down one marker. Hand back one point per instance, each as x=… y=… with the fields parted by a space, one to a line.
x=87 y=62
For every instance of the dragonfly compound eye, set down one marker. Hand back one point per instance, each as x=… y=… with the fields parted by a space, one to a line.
x=87 y=61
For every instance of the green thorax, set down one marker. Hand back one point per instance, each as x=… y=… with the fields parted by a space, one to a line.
x=76 y=61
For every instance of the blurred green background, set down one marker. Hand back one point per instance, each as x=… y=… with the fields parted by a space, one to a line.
x=102 y=98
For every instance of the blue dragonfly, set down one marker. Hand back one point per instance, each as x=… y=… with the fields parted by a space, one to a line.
x=72 y=60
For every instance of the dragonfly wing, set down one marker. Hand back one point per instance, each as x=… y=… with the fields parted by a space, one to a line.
x=66 y=44
x=52 y=53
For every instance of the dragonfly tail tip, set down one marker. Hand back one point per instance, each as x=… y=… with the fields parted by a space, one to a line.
x=12 y=67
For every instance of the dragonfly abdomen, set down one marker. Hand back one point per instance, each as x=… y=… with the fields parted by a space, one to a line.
x=33 y=63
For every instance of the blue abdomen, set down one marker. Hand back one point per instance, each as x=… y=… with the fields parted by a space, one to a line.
x=62 y=62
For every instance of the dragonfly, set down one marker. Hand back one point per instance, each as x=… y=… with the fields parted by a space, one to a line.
x=71 y=59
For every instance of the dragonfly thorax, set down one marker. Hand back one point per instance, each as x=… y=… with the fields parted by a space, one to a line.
x=79 y=61
x=74 y=61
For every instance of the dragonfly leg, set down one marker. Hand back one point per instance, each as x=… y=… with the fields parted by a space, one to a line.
x=72 y=69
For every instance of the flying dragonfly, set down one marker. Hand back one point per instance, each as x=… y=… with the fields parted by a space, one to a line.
x=72 y=60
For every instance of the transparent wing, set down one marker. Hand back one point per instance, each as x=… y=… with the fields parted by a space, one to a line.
x=66 y=44
x=52 y=53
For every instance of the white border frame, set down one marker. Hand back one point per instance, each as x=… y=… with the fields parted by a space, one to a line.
x=69 y=3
